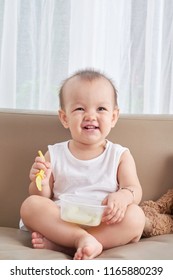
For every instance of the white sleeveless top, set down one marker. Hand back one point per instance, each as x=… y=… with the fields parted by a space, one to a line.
x=95 y=177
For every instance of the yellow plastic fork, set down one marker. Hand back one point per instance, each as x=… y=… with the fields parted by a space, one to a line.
x=40 y=174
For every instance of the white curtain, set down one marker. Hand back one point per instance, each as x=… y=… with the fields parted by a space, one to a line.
x=44 y=41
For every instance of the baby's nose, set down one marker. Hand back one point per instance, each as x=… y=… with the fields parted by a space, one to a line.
x=90 y=116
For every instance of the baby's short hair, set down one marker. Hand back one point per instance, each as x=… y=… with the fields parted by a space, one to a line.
x=87 y=75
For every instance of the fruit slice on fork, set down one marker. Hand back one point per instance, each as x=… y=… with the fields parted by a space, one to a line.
x=40 y=174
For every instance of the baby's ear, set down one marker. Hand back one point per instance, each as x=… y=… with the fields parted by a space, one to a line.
x=63 y=118
x=115 y=116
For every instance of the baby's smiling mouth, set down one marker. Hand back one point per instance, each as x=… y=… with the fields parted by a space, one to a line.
x=90 y=127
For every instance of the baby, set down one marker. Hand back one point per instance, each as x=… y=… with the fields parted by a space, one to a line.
x=90 y=165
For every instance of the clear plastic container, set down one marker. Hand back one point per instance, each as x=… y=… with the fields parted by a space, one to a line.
x=81 y=210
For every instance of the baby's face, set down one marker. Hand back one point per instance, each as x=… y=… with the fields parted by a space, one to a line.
x=89 y=109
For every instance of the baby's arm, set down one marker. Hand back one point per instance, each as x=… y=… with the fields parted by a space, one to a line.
x=47 y=181
x=128 y=178
x=129 y=192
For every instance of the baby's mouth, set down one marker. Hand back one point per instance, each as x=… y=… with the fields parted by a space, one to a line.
x=90 y=127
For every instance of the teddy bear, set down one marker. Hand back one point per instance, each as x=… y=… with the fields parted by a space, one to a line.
x=159 y=215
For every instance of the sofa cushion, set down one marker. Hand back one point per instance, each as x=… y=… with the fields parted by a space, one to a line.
x=16 y=245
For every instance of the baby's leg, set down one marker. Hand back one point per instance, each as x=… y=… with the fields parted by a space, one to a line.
x=128 y=230
x=41 y=215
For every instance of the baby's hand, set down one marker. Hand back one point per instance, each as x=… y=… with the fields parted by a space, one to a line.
x=38 y=165
x=116 y=208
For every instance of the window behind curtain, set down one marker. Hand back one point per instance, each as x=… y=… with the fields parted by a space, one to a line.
x=44 y=41
x=35 y=35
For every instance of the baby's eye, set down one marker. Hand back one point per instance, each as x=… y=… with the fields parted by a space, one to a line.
x=79 y=109
x=101 y=108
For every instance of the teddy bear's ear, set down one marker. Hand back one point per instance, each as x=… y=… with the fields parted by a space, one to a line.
x=165 y=202
x=164 y=205
x=150 y=204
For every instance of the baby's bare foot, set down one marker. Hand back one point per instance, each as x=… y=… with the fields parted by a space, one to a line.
x=87 y=248
x=40 y=242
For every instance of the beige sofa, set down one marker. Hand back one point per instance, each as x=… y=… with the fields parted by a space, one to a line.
x=22 y=134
